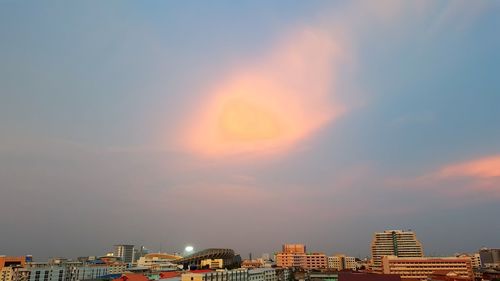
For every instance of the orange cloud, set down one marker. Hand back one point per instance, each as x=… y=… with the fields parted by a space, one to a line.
x=269 y=106
x=487 y=167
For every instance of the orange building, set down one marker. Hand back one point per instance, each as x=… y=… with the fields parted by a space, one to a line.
x=423 y=268
x=294 y=255
x=8 y=265
x=294 y=248
x=315 y=261
x=12 y=261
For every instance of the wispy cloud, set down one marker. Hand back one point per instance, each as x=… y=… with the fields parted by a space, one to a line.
x=472 y=180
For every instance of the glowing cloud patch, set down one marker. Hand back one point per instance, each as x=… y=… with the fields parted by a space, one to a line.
x=243 y=121
x=488 y=167
x=269 y=106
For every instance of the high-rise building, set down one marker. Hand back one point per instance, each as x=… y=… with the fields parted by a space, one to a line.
x=141 y=252
x=490 y=257
x=125 y=252
x=397 y=243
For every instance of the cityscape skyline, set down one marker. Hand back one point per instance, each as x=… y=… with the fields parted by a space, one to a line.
x=119 y=248
x=248 y=124
x=395 y=255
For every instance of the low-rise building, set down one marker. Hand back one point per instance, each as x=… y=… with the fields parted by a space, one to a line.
x=262 y=274
x=212 y=263
x=283 y=274
x=294 y=255
x=219 y=275
x=422 y=268
x=364 y=276
x=40 y=271
x=8 y=266
x=252 y=264
x=158 y=261
x=342 y=262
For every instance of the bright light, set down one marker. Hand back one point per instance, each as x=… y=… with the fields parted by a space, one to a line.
x=189 y=249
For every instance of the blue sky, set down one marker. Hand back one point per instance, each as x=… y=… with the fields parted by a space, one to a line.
x=387 y=117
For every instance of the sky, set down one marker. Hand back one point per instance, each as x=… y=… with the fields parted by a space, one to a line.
x=248 y=124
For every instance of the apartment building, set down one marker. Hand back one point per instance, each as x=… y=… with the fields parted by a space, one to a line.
x=397 y=243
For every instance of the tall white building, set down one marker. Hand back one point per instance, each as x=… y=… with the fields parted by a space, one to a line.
x=397 y=243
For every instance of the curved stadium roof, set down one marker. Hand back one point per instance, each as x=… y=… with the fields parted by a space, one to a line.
x=214 y=253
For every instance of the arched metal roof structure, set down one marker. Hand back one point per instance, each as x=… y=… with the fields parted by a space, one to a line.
x=195 y=259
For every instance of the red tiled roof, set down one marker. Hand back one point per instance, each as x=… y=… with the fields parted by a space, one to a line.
x=132 y=277
x=169 y=274
x=200 y=271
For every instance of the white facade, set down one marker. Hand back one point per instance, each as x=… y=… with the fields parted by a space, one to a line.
x=219 y=275
x=262 y=274
x=43 y=272
x=342 y=262
x=396 y=243
x=84 y=272
x=334 y=263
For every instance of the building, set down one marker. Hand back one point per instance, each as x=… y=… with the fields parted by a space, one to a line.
x=230 y=260
x=490 y=274
x=342 y=262
x=294 y=255
x=219 y=275
x=9 y=264
x=365 y=276
x=351 y=276
x=422 y=268
x=125 y=252
x=158 y=261
x=323 y=276
x=315 y=261
x=397 y=243
x=63 y=270
x=294 y=248
x=212 y=263
x=40 y=271
x=490 y=258
x=447 y=276
x=252 y=263
x=141 y=252
x=132 y=277
x=283 y=274
x=262 y=274
x=76 y=272
x=475 y=261
x=6 y=261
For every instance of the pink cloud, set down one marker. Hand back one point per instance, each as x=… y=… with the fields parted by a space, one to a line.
x=483 y=168
x=471 y=180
